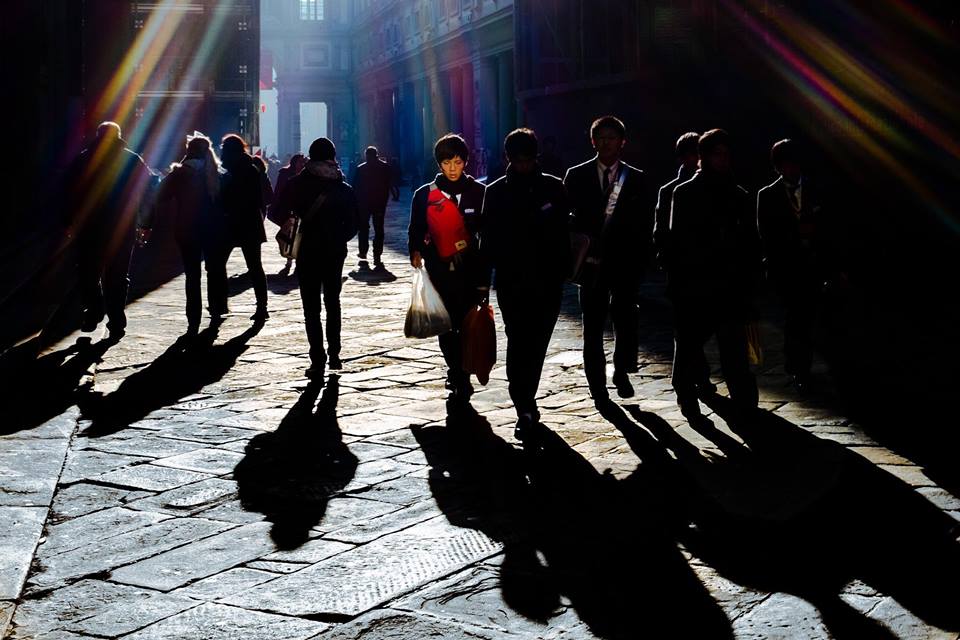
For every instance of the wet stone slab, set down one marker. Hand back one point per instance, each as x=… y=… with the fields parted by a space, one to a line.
x=189 y=499
x=208 y=433
x=213 y=461
x=224 y=584
x=95 y=526
x=219 y=622
x=150 y=477
x=20 y=529
x=79 y=499
x=81 y=465
x=71 y=604
x=175 y=568
x=31 y=467
x=387 y=624
x=124 y=618
x=358 y=580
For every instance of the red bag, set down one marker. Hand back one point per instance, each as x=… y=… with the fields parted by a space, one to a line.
x=478 y=342
x=445 y=224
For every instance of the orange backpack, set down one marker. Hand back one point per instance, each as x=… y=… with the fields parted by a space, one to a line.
x=445 y=224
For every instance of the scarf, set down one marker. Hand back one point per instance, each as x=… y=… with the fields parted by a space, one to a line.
x=326 y=169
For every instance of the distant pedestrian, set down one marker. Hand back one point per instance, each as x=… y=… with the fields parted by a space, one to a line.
x=108 y=184
x=190 y=195
x=266 y=190
x=611 y=203
x=373 y=182
x=442 y=234
x=327 y=208
x=292 y=168
x=524 y=239
x=242 y=198
x=801 y=252
x=713 y=265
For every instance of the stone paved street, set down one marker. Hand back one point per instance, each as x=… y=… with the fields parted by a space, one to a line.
x=206 y=490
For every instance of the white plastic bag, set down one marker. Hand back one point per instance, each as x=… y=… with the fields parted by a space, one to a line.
x=427 y=316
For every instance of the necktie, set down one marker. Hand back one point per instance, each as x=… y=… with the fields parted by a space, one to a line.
x=606 y=180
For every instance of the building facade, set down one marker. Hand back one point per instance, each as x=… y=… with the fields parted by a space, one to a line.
x=307 y=43
x=423 y=68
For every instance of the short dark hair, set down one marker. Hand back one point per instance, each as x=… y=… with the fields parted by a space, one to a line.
x=688 y=143
x=521 y=142
x=322 y=149
x=608 y=122
x=785 y=150
x=371 y=152
x=108 y=130
x=711 y=140
x=451 y=146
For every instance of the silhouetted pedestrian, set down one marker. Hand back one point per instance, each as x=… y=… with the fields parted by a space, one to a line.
x=524 y=238
x=327 y=208
x=242 y=198
x=800 y=252
x=445 y=241
x=713 y=264
x=108 y=184
x=190 y=194
x=292 y=168
x=611 y=203
x=372 y=183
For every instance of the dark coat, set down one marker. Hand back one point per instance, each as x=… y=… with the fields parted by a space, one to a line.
x=105 y=214
x=622 y=245
x=184 y=195
x=715 y=248
x=470 y=205
x=661 y=216
x=795 y=244
x=524 y=232
x=327 y=231
x=241 y=196
x=372 y=182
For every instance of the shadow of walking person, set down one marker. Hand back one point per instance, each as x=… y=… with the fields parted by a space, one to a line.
x=801 y=515
x=186 y=367
x=478 y=481
x=43 y=388
x=290 y=474
x=373 y=277
x=571 y=534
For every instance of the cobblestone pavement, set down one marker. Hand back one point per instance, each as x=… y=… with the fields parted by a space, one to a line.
x=206 y=490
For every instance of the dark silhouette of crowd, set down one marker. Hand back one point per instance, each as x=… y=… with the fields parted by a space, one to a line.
x=528 y=232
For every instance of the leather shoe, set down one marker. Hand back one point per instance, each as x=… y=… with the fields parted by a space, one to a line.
x=622 y=382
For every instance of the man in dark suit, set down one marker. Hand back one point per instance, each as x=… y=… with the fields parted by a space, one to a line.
x=373 y=184
x=799 y=253
x=714 y=262
x=610 y=204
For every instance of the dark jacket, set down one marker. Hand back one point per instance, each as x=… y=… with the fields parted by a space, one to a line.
x=470 y=204
x=796 y=244
x=524 y=232
x=661 y=216
x=241 y=196
x=622 y=245
x=326 y=231
x=185 y=196
x=715 y=249
x=372 y=183
x=106 y=213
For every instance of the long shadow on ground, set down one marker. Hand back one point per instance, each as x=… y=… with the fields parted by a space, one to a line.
x=289 y=475
x=186 y=367
x=790 y=512
x=608 y=546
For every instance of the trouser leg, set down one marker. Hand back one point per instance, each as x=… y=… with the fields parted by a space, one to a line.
x=191 y=254
x=378 y=234
x=116 y=283
x=251 y=255
x=692 y=328
x=529 y=321
x=216 y=266
x=311 y=285
x=363 y=231
x=625 y=312
x=732 y=339
x=90 y=271
x=594 y=303
x=332 y=283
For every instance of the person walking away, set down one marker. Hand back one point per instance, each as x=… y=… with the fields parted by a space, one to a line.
x=525 y=241
x=241 y=195
x=610 y=203
x=442 y=236
x=373 y=184
x=327 y=208
x=713 y=266
x=107 y=184
x=190 y=194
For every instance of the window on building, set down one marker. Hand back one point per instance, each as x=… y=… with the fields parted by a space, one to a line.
x=311 y=9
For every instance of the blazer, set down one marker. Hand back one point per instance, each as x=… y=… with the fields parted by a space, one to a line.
x=622 y=245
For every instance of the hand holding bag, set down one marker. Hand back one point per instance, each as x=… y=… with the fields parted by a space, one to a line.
x=427 y=315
